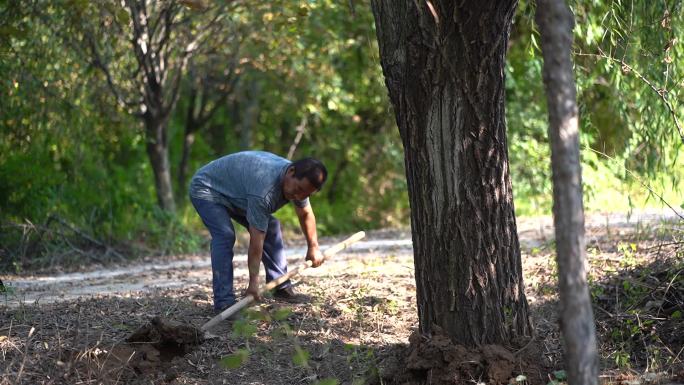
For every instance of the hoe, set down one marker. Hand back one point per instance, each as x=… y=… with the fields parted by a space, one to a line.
x=163 y=333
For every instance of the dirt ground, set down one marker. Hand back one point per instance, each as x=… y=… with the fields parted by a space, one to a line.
x=356 y=325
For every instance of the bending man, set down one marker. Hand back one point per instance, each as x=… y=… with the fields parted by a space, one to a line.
x=249 y=187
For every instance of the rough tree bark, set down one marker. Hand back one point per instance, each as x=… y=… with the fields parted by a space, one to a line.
x=443 y=63
x=157 y=146
x=577 y=320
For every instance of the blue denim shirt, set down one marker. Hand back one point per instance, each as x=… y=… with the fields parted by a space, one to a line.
x=248 y=183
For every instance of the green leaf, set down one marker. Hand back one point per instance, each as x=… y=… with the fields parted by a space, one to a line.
x=256 y=315
x=193 y=4
x=122 y=16
x=282 y=313
x=78 y=5
x=233 y=361
x=242 y=328
x=12 y=31
x=328 y=381
x=121 y=326
x=560 y=375
x=301 y=357
x=349 y=347
x=676 y=315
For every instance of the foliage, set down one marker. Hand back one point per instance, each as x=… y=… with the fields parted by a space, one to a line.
x=314 y=68
x=639 y=303
x=629 y=129
x=247 y=328
x=303 y=78
x=276 y=323
x=558 y=377
x=233 y=361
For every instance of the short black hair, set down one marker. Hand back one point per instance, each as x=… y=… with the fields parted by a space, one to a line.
x=311 y=169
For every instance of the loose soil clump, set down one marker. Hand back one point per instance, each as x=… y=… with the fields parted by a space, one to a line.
x=163 y=332
x=435 y=359
x=151 y=350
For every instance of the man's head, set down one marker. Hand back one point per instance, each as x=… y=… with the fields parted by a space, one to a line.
x=303 y=178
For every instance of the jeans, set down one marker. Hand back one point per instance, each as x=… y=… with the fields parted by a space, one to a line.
x=217 y=219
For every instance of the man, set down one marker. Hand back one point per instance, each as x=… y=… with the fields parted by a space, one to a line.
x=248 y=187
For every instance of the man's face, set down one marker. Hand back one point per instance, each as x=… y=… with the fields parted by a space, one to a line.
x=296 y=189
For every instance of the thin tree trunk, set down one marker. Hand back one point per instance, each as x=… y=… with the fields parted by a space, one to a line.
x=250 y=117
x=577 y=320
x=335 y=182
x=443 y=63
x=158 y=153
x=191 y=127
x=188 y=141
x=218 y=138
x=300 y=133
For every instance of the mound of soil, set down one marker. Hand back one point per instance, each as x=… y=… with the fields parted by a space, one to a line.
x=151 y=350
x=435 y=359
x=164 y=332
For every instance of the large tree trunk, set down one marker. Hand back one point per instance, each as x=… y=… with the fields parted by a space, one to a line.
x=158 y=153
x=555 y=23
x=443 y=63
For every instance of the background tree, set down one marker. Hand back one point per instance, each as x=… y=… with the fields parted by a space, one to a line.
x=444 y=69
x=162 y=38
x=577 y=320
x=209 y=87
x=310 y=81
x=628 y=128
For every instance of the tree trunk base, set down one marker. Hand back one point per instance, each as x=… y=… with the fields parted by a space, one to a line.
x=436 y=360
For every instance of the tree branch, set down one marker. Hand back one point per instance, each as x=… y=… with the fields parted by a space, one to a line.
x=97 y=60
x=139 y=18
x=641 y=182
x=660 y=91
x=300 y=132
x=188 y=52
x=102 y=66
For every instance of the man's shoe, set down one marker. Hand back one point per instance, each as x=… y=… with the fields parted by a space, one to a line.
x=289 y=295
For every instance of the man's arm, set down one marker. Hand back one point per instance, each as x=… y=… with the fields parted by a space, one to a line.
x=307 y=221
x=254 y=253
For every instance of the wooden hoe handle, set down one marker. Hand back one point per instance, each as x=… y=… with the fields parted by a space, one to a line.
x=329 y=252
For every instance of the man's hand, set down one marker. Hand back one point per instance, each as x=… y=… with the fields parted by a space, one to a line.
x=307 y=220
x=315 y=256
x=253 y=290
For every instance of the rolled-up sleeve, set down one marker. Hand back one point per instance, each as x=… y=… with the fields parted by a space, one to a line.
x=258 y=213
x=303 y=203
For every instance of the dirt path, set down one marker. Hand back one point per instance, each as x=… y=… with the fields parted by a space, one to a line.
x=355 y=326
x=195 y=270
